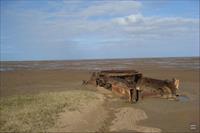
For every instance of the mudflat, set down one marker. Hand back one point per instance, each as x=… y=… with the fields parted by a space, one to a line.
x=105 y=111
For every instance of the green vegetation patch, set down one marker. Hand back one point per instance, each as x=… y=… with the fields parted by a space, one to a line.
x=36 y=113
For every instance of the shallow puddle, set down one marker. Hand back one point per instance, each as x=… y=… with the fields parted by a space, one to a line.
x=183 y=98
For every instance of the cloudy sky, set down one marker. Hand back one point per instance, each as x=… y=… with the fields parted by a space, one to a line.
x=56 y=29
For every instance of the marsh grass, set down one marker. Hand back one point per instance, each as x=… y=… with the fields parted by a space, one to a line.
x=36 y=113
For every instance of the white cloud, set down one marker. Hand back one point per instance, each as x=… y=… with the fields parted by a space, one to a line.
x=161 y=21
x=138 y=24
x=64 y=23
x=134 y=18
x=112 y=8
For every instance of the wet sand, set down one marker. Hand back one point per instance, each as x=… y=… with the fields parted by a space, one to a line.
x=168 y=116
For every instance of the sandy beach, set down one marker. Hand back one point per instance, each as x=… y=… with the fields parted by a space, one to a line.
x=106 y=112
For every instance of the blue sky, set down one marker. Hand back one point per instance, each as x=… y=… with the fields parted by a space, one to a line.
x=49 y=30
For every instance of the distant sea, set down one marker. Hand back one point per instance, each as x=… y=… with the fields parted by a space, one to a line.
x=175 y=62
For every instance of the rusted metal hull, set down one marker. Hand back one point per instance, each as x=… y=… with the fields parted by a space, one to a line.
x=131 y=84
x=120 y=82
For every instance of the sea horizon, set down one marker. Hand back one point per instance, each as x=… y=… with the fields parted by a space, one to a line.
x=92 y=59
x=102 y=64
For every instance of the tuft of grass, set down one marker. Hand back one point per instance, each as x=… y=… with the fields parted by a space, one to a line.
x=36 y=113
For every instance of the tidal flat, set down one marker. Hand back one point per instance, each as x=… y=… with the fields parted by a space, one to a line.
x=43 y=84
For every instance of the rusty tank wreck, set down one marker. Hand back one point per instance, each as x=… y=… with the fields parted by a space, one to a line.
x=133 y=85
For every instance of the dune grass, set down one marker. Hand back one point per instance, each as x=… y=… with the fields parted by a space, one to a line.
x=36 y=113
